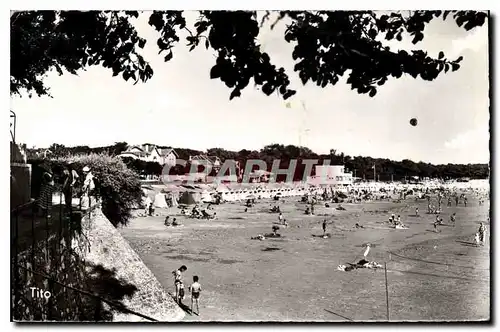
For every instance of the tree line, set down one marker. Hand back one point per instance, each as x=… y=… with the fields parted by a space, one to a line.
x=360 y=166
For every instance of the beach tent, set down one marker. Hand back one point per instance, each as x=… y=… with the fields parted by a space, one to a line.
x=190 y=198
x=222 y=189
x=173 y=197
x=146 y=193
x=160 y=201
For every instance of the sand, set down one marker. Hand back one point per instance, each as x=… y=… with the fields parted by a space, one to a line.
x=432 y=276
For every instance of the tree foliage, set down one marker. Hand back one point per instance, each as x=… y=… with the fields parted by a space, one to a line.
x=117 y=185
x=328 y=45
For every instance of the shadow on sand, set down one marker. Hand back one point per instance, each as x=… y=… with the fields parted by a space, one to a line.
x=467 y=244
x=183 y=306
x=270 y=249
x=328 y=235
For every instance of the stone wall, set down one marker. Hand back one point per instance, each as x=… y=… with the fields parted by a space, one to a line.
x=20 y=184
x=106 y=246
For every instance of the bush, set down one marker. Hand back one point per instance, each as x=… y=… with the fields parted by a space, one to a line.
x=118 y=186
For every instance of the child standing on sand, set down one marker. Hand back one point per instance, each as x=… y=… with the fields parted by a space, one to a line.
x=195 y=290
x=482 y=233
x=178 y=282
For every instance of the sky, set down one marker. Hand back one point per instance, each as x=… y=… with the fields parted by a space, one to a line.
x=182 y=107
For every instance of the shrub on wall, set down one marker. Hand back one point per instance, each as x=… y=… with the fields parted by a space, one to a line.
x=117 y=185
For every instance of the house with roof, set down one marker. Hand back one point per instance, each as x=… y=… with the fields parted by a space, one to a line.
x=205 y=160
x=152 y=153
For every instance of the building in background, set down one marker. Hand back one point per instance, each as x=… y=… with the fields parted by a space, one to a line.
x=331 y=175
x=207 y=162
x=152 y=153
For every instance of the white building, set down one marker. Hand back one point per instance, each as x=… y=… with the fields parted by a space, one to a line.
x=331 y=175
x=150 y=152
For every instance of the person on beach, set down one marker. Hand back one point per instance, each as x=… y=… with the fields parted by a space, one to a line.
x=453 y=218
x=438 y=219
x=482 y=233
x=182 y=293
x=280 y=218
x=416 y=211
x=195 y=290
x=324 y=227
x=367 y=250
x=178 y=281
x=148 y=202
x=436 y=223
x=476 y=239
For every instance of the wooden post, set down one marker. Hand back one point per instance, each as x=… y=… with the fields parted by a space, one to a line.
x=386 y=291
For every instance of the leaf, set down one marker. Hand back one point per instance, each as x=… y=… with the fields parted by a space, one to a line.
x=267 y=89
x=236 y=93
x=418 y=37
x=207 y=44
x=373 y=92
x=446 y=67
x=441 y=55
x=455 y=66
x=169 y=56
x=289 y=94
x=192 y=48
x=460 y=58
x=214 y=72
x=142 y=42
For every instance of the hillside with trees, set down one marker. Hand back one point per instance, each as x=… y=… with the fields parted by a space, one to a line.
x=361 y=166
